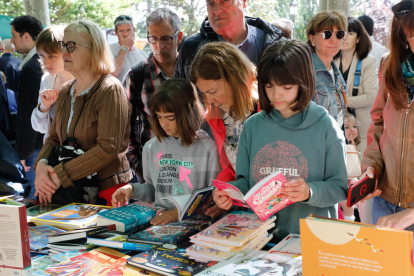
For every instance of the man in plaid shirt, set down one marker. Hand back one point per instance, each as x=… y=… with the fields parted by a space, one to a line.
x=144 y=78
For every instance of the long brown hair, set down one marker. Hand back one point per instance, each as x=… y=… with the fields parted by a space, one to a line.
x=178 y=96
x=222 y=60
x=393 y=75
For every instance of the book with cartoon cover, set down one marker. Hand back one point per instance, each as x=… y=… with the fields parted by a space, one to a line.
x=289 y=246
x=101 y=261
x=172 y=233
x=38 y=236
x=72 y=216
x=236 y=229
x=167 y=260
x=192 y=205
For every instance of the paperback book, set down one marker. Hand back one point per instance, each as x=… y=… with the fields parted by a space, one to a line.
x=129 y=216
x=40 y=209
x=72 y=216
x=264 y=198
x=192 y=205
x=236 y=229
x=172 y=233
x=70 y=245
x=289 y=246
x=38 y=236
x=116 y=241
x=81 y=233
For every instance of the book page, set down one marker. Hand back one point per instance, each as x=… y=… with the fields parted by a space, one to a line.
x=179 y=201
x=234 y=193
x=289 y=245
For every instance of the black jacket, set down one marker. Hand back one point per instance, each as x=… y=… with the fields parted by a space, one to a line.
x=9 y=65
x=27 y=139
x=4 y=110
x=190 y=46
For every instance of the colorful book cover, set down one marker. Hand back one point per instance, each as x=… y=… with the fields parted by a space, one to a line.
x=40 y=264
x=116 y=241
x=41 y=209
x=340 y=248
x=14 y=241
x=172 y=233
x=191 y=205
x=101 y=261
x=236 y=228
x=167 y=260
x=67 y=255
x=38 y=236
x=290 y=246
x=72 y=216
x=128 y=216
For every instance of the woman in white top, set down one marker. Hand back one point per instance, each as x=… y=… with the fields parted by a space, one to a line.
x=356 y=46
x=54 y=77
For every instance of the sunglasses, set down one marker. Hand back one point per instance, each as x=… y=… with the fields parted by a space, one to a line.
x=403 y=8
x=327 y=34
x=70 y=46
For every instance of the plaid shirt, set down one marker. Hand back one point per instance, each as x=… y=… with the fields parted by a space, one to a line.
x=140 y=128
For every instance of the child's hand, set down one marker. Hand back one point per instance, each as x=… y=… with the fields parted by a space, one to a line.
x=352 y=181
x=296 y=190
x=214 y=211
x=222 y=199
x=165 y=217
x=122 y=195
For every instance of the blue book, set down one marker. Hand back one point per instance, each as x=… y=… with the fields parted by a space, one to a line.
x=172 y=233
x=116 y=241
x=38 y=236
x=129 y=216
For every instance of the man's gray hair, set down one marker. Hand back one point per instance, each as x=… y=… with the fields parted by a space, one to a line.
x=123 y=19
x=161 y=14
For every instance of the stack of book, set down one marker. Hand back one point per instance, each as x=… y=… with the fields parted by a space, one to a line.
x=230 y=235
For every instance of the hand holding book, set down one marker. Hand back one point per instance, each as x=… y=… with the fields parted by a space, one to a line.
x=222 y=199
x=296 y=190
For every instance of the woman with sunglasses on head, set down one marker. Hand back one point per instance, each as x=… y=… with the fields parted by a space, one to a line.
x=391 y=135
x=325 y=32
x=92 y=113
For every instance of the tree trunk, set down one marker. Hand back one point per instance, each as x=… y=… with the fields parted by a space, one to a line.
x=38 y=9
x=323 y=5
x=338 y=5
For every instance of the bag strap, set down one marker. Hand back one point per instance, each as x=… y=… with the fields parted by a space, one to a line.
x=357 y=78
x=346 y=107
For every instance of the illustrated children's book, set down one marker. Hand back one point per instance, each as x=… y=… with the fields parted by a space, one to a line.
x=264 y=198
x=341 y=248
x=290 y=246
x=167 y=260
x=236 y=229
x=80 y=233
x=129 y=216
x=190 y=206
x=67 y=255
x=101 y=261
x=172 y=233
x=14 y=241
x=72 y=216
x=38 y=236
x=40 y=209
x=40 y=264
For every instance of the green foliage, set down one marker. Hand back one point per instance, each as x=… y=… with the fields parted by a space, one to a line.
x=12 y=8
x=306 y=10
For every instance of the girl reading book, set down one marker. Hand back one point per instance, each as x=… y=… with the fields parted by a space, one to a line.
x=293 y=135
x=181 y=158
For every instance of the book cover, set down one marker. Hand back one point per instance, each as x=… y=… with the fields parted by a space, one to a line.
x=101 y=261
x=40 y=264
x=38 y=236
x=290 y=246
x=236 y=228
x=61 y=257
x=167 y=260
x=14 y=241
x=72 y=216
x=172 y=233
x=128 y=216
x=116 y=241
x=190 y=206
x=234 y=193
x=81 y=233
x=340 y=248
x=41 y=209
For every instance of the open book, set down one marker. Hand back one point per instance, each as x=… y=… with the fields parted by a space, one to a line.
x=264 y=198
x=190 y=206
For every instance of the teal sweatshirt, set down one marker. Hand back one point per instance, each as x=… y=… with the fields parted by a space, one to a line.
x=308 y=145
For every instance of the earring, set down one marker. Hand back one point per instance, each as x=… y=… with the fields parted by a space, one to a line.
x=406 y=45
x=313 y=44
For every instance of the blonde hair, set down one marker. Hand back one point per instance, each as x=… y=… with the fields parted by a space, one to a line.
x=222 y=60
x=102 y=61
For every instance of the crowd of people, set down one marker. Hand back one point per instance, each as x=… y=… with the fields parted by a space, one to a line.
x=103 y=124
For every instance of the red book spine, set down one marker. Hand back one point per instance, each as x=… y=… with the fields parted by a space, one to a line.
x=24 y=236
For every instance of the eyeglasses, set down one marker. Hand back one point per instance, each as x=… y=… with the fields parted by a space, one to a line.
x=403 y=8
x=164 y=39
x=123 y=17
x=326 y=34
x=212 y=3
x=70 y=46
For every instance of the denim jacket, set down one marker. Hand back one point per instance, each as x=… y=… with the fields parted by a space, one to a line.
x=325 y=94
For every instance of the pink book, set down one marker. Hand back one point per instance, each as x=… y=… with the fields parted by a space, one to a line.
x=264 y=198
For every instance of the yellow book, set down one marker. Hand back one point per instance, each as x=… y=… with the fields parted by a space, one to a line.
x=340 y=248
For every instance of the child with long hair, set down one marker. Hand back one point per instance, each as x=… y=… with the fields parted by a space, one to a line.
x=292 y=135
x=181 y=158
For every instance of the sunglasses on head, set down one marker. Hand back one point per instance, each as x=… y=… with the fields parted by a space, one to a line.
x=327 y=34
x=403 y=8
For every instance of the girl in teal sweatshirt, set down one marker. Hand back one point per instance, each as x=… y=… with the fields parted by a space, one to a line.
x=181 y=158
x=292 y=135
